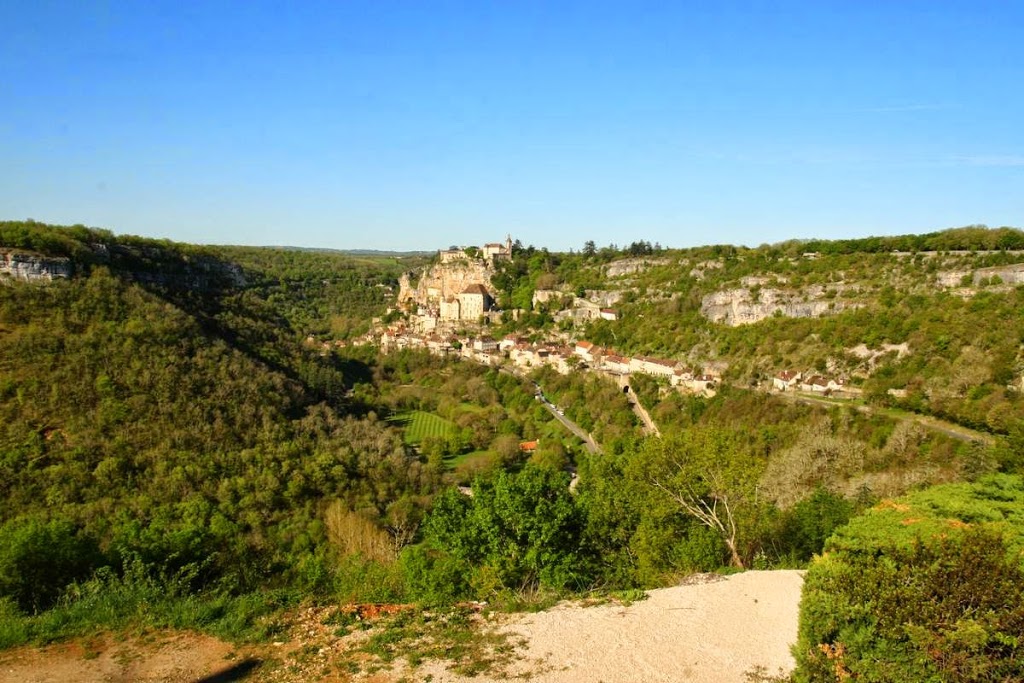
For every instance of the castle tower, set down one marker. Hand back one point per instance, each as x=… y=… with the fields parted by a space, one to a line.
x=508 y=244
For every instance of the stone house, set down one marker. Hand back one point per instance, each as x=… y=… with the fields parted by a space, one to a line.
x=449 y=309
x=584 y=350
x=786 y=379
x=485 y=344
x=474 y=300
x=652 y=366
x=817 y=384
x=613 y=363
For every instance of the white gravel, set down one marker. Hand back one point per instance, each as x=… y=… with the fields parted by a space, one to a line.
x=712 y=631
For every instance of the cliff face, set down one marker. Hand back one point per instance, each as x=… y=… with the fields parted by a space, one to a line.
x=738 y=306
x=33 y=267
x=145 y=265
x=631 y=266
x=445 y=280
x=1009 y=275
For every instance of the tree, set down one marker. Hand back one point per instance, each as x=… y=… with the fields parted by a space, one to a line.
x=39 y=559
x=712 y=477
x=589 y=248
x=524 y=529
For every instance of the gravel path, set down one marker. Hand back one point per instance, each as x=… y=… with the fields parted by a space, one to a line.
x=714 y=630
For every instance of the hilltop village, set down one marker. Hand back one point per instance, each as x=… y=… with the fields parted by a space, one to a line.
x=449 y=309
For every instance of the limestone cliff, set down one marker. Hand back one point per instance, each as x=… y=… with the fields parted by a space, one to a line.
x=445 y=280
x=147 y=265
x=33 y=267
x=741 y=307
x=631 y=266
x=1009 y=275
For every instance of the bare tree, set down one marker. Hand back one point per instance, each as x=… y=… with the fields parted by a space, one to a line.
x=712 y=476
x=706 y=509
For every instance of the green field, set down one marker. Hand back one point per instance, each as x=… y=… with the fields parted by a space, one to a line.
x=418 y=425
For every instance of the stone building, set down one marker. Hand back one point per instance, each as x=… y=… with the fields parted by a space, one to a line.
x=473 y=301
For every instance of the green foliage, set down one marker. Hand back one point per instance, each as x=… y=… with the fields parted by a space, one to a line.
x=926 y=588
x=518 y=531
x=171 y=443
x=158 y=409
x=808 y=524
x=137 y=597
x=38 y=559
x=712 y=476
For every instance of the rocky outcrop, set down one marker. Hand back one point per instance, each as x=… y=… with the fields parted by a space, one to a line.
x=630 y=266
x=1007 y=275
x=29 y=267
x=152 y=265
x=147 y=265
x=543 y=296
x=603 y=297
x=740 y=307
x=441 y=281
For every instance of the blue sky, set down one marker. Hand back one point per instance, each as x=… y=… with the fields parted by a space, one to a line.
x=415 y=125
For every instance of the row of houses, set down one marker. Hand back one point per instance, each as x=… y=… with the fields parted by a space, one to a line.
x=581 y=356
x=677 y=374
x=792 y=380
x=584 y=355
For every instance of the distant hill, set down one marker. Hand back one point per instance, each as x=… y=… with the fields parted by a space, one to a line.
x=359 y=252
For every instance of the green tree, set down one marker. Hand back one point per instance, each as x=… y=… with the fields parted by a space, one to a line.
x=524 y=529
x=712 y=477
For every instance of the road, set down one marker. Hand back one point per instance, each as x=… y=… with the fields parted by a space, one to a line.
x=650 y=429
x=950 y=429
x=559 y=415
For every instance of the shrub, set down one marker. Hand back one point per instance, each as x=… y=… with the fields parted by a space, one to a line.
x=38 y=559
x=522 y=530
x=927 y=588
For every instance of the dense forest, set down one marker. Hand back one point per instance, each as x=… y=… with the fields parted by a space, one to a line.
x=189 y=437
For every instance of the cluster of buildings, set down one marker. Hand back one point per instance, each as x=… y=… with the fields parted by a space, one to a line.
x=793 y=380
x=471 y=303
x=456 y=293
x=520 y=353
x=492 y=252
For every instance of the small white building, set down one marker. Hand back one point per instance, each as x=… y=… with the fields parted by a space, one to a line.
x=786 y=379
x=485 y=344
x=618 y=364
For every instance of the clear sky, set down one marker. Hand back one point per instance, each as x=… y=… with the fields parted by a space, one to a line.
x=420 y=124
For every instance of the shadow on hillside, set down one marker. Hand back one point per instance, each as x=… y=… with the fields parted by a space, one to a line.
x=235 y=672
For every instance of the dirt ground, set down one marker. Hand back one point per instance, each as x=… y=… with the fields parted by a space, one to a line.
x=712 y=629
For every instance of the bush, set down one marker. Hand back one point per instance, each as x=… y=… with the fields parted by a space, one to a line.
x=911 y=591
x=38 y=559
x=809 y=523
x=522 y=531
